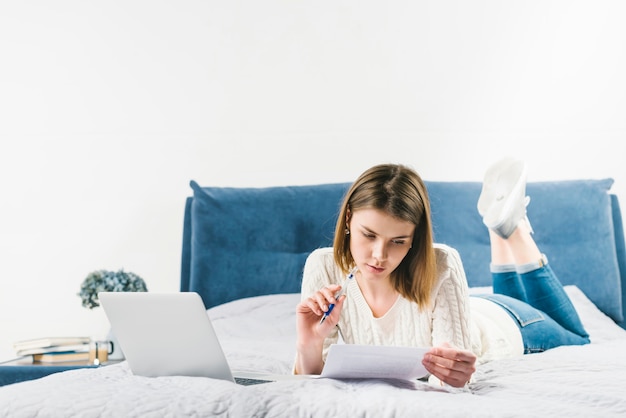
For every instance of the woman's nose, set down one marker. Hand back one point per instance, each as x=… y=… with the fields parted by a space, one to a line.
x=379 y=252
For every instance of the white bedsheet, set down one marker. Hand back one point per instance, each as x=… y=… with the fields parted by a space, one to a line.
x=258 y=335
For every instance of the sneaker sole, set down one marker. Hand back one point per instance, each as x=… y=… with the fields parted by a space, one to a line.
x=497 y=215
x=489 y=184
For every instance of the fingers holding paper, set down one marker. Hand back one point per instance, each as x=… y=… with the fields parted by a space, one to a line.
x=450 y=365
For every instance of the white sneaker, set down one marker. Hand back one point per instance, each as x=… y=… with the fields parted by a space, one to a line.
x=502 y=202
x=489 y=183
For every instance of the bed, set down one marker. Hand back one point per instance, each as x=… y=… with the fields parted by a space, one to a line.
x=243 y=251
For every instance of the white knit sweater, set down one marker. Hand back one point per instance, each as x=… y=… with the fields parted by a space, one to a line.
x=490 y=333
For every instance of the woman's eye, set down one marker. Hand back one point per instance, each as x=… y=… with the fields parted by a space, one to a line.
x=368 y=236
x=399 y=242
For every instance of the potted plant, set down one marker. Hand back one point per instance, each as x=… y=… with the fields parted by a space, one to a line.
x=109 y=281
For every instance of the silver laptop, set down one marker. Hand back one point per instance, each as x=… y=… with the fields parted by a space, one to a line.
x=169 y=334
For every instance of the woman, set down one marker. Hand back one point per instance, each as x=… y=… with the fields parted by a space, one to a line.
x=405 y=290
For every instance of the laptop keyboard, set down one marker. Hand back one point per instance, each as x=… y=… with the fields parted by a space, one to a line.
x=247 y=381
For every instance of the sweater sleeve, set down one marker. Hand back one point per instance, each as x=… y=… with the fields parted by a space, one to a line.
x=450 y=314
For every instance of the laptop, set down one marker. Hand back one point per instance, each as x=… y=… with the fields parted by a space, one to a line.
x=170 y=334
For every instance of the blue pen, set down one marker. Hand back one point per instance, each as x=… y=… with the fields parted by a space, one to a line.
x=343 y=288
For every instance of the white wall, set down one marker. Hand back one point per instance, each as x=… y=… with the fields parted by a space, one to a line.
x=109 y=108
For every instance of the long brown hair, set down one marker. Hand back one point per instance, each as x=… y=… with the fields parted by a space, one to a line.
x=400 y=192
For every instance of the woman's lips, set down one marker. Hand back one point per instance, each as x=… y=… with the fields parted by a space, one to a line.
x=375 y=269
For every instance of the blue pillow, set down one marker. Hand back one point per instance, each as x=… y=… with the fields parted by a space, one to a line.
x=254 y=241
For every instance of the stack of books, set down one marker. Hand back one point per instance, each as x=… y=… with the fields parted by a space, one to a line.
x=56 y=349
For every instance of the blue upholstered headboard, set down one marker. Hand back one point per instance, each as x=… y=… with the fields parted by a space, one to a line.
x=241 y=242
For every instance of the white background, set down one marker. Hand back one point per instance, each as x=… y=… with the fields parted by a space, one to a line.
x=109 y=108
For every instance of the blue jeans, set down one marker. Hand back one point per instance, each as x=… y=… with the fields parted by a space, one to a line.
x=534 y=297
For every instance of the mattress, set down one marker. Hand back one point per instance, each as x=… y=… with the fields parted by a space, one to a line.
x=258 y=335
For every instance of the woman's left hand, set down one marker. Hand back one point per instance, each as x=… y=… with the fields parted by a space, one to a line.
x=450 y=365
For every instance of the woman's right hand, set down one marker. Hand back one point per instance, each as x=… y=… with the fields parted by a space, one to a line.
x=310 y=332
x=311 y=310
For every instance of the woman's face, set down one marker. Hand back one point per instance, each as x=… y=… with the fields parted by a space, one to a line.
x=378 y=242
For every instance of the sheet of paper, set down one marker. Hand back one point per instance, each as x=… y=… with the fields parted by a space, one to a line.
x=353 y=361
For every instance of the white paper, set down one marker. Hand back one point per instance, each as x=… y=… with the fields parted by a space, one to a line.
x=354 y=361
